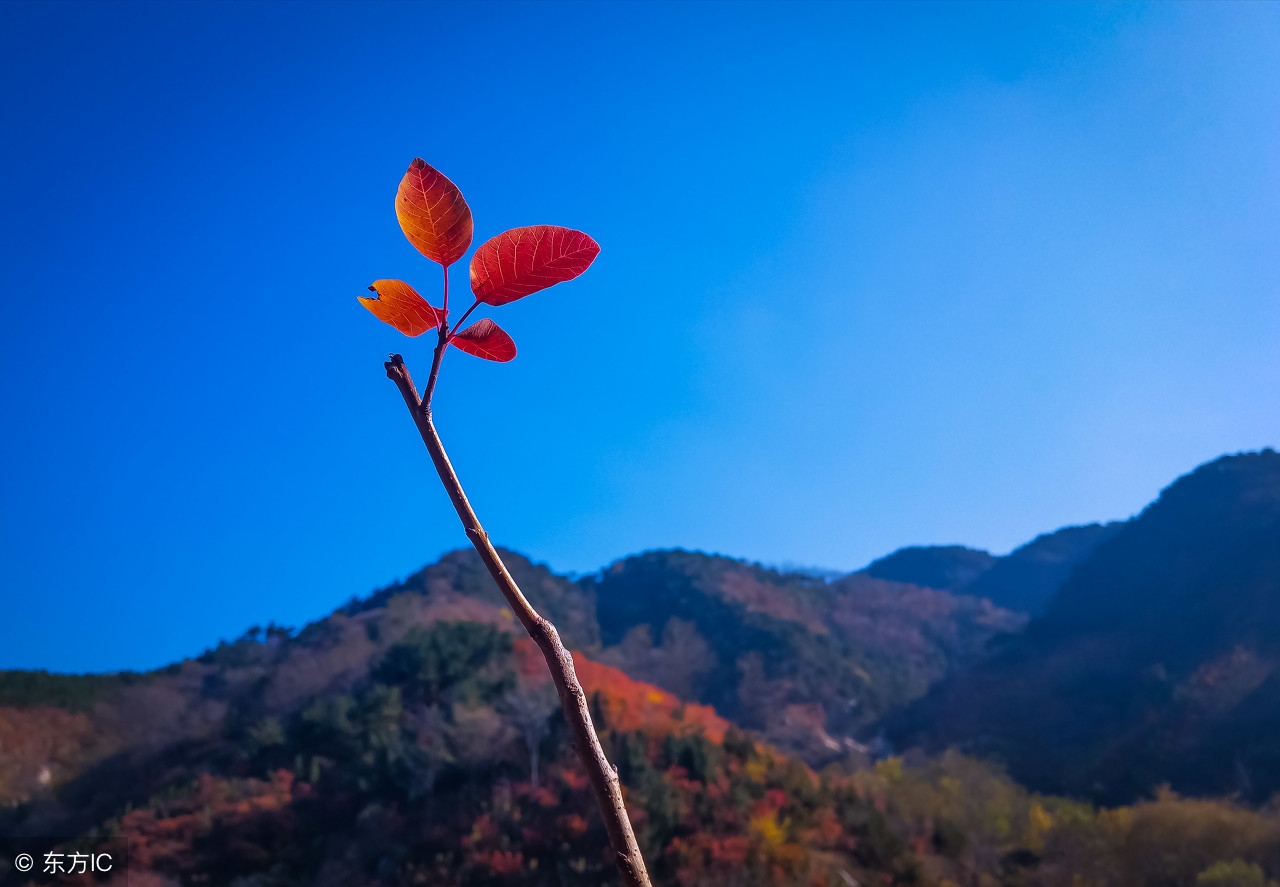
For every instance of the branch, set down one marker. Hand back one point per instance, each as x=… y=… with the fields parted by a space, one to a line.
x=438 y=356
x=604 y=779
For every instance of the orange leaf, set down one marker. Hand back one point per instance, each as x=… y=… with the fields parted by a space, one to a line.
x=400 y=305
x=486 y=339
x=433 y=214
x=524 y=260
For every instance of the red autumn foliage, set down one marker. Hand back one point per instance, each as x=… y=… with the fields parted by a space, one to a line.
x=630 y=705
x=164 y=842
x=522 y=261
x=635 y=705
x=436 y=219
x=486 y=339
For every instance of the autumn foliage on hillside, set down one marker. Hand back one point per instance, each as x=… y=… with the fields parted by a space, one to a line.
x=423 y=775
x=628 y=705
x=447 y=763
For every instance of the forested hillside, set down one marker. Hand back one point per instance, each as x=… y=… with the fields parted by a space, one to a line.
x=1157 y=662
x=805 y=661
x=445 y=761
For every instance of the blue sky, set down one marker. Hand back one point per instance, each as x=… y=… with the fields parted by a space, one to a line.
x=871 y=276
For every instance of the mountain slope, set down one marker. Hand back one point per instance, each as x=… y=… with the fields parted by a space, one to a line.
x=793 y=657
x=446 y=761
x=1026 y=578
x=800 y=659
x=1158 y=661
x=948 y=567
x=414 y=738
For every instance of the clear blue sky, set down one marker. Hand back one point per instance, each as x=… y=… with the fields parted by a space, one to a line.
x=871 y=276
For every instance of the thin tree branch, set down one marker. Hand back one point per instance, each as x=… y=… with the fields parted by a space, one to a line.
x=604 y=779
x=441 y=345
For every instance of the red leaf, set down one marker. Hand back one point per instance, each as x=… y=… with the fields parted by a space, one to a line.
x=486 y=339
x=524 y=260
x=400 y=305
x=433 y=214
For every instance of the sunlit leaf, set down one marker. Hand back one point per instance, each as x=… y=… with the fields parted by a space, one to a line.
x=399 y=304
x=524 y=260
x=433 y=214
x=486 y=339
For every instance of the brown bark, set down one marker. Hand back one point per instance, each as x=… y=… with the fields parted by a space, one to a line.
x=604 y=779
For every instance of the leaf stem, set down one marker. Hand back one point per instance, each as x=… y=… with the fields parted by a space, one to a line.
x=474 y=306
x=604 y=778
x=442 y=343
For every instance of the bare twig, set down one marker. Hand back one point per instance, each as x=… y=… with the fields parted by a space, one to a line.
x=604 y=779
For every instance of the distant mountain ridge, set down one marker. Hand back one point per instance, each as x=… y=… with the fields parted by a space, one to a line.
x=1157 y=661
x=948 y=567
x=1023 y=580
x=1028 y=577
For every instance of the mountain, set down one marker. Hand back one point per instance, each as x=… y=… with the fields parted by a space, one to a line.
x=801 y=661
x=1026 y=578
x=458 y=586
x=804 y=661
x=1022 y=581
x=413 y=738
x=441 y=759
x=948 y=567
x=1157 y=662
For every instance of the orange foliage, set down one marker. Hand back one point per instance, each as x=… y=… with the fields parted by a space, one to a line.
x=629 y=705
x=156 y=840
x=572 y=825
x=501 y=862
x=433 y=214
x=399 y=305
